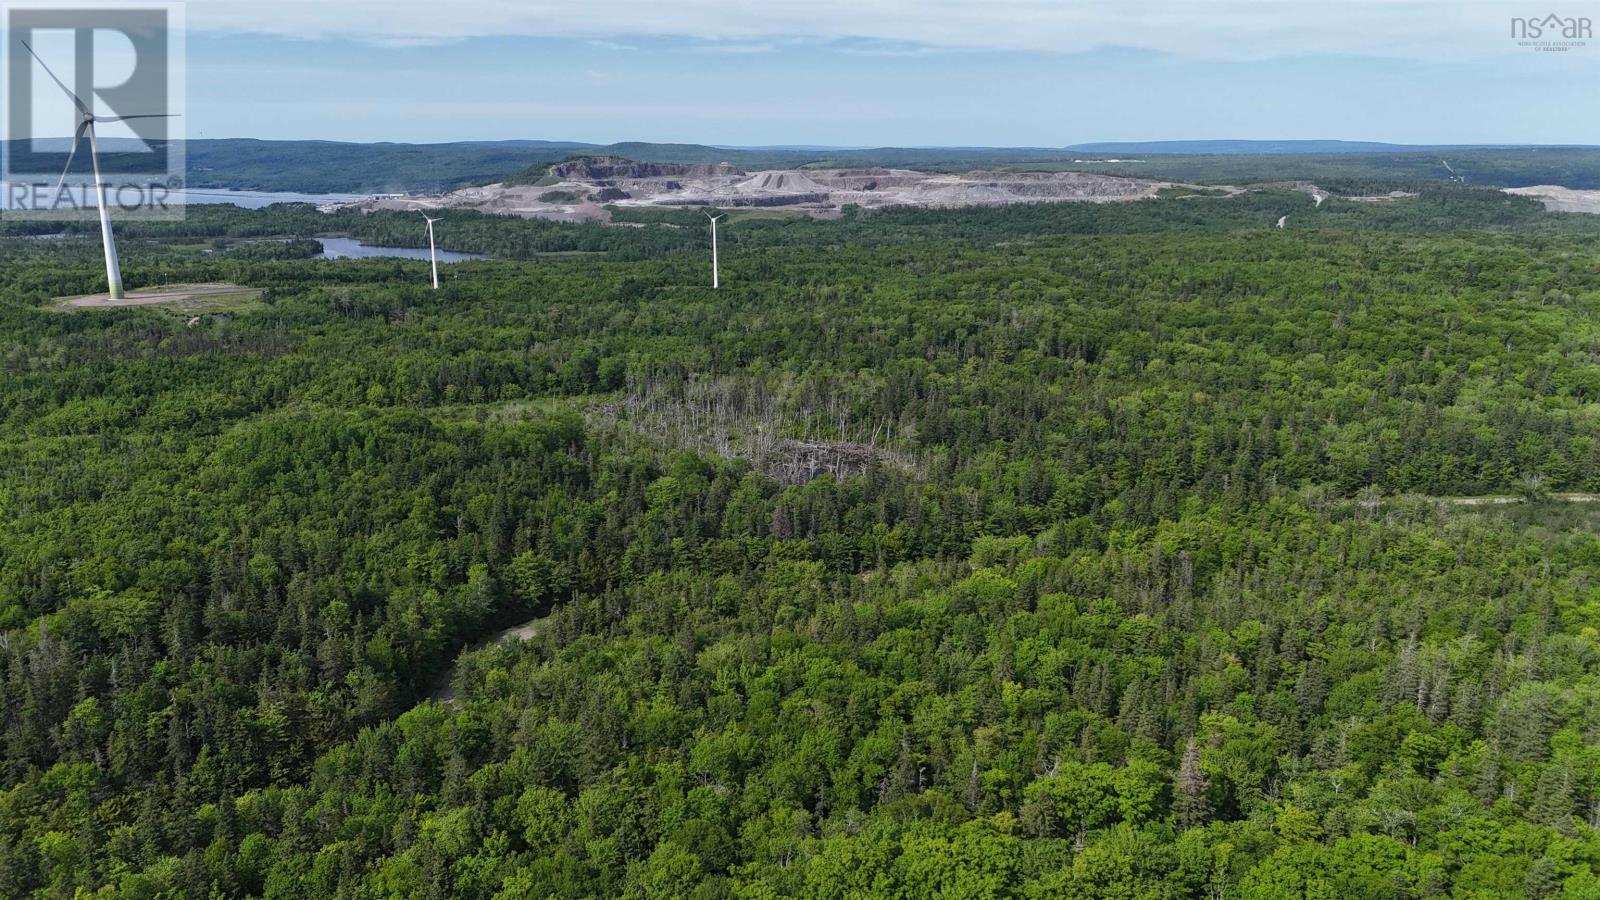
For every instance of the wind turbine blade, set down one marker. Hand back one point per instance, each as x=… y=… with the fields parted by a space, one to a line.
x=76 y=137
x=143 y=116
x=75 y=101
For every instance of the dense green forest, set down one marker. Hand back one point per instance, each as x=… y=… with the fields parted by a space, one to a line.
x=1051 y=551
x=1574 y=167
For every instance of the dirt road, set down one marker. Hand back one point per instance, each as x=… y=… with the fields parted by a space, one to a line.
x=444 y=690
x=1505 y=501
x=1501 y=500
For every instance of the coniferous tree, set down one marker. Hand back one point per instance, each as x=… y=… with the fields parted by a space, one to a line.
x=1189 y=801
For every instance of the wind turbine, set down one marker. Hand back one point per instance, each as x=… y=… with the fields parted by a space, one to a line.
x=86 y=122
x=716 y=277
x=433 y=251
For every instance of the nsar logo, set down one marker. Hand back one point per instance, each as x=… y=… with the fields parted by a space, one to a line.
x=1552 y=33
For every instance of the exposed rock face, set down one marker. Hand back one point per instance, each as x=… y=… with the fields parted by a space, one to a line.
x=783 y=200
x=605 y=180
x=601 y=168
x=783 y=182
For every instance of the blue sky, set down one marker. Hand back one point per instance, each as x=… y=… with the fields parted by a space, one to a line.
x=879 y=72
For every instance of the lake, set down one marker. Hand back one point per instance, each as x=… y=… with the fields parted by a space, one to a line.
x=350 y=248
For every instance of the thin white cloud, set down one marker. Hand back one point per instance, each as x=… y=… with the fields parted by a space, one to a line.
x=737 y=48
x=1199 y=29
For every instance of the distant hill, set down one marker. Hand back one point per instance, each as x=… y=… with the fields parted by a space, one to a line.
x=333 y=167
x=1275 y=148
x=1208 y=148
x=339 y=167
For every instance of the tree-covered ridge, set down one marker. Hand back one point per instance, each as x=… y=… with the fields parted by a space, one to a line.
x=1108 y=605
x=341 y=167
x=666 y=231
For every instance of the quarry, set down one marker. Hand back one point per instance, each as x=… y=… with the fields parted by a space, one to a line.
x=583 y=189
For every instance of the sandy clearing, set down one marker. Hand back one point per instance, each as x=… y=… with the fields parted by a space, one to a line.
x=503 y=200
x=176 y=294
x=1383 y=198
x=1560 y=199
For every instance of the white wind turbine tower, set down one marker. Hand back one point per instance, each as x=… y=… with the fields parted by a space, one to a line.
x=716 y=276
x=86 y=122
x=433 y=250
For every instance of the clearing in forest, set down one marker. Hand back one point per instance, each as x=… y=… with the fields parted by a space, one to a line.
x=182 y=297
